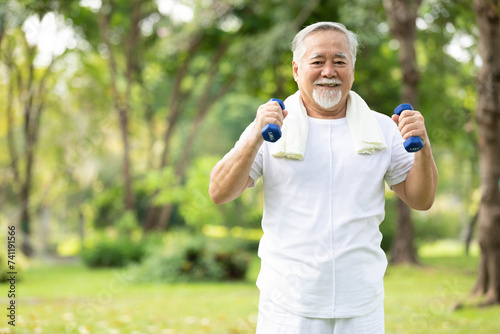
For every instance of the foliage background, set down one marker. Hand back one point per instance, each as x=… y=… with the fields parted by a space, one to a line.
x=188 y=85
x=78 y=154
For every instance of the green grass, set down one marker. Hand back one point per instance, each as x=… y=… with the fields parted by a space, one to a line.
x=72 y=299
x=421 y=299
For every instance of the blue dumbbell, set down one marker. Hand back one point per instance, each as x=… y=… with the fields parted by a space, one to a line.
x=412 y=144
x=272 y=132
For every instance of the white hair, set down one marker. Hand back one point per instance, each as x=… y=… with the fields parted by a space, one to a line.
x=298 y=48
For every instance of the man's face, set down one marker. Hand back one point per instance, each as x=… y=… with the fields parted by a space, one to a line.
x=325 y=73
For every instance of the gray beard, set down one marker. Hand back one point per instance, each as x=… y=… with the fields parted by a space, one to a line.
x=327 y=99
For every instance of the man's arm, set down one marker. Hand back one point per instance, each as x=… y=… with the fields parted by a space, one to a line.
x=418 y=191
x=231 y=176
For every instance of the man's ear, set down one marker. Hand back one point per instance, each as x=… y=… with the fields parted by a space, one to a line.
x=295 y=70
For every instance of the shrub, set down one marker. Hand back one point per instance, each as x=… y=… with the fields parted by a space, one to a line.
x=443 y=225
x=108 y=252
x=231 y=256
x=108 y=207
x=187 y=257
x=19 y=265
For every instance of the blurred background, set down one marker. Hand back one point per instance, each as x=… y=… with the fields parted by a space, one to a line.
x=114 y=112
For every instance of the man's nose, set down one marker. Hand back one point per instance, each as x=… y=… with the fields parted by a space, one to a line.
x=329 y=71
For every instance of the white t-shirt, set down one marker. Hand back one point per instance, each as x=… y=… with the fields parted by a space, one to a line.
x=320 y=251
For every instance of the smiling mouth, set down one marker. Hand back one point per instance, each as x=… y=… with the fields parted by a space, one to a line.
x=328 y=84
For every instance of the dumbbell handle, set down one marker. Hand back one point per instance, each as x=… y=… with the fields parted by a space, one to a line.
x=412 y=144
x=272 y=132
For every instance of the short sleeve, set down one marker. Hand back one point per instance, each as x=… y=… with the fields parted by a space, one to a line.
x=256 y=171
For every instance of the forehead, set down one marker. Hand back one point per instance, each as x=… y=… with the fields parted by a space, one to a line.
x=325 y=43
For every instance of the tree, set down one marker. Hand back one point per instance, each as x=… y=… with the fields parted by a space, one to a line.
x=197 y=61
x=212 y=91
x=402 y=15
x=114 y=30
x=27 y=89
x=488 y=119
x=224 y=49
x=128 y=72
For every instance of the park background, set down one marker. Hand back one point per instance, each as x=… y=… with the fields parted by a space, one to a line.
x=113 y=113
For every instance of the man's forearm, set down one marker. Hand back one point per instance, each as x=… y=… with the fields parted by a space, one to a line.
x=421 y=183
x=231 y=176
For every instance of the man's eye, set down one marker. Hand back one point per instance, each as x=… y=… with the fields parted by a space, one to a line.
x=317 y=62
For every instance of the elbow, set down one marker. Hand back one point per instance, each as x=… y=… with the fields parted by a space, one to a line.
x=217 y=200
x=214 y=191
x=424 y=205
x=224 y=192
x=427 y=202
x=216 y=195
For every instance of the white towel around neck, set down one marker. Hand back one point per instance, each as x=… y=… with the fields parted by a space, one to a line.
x=365 y=130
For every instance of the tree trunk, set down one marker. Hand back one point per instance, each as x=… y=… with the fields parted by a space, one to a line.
x=488 y=118
x=129 y=199
x=470 y=232
x=25 y=196
x=205 y=102
x=11 y=143
x=402 y=15
x=403 y=250
x=25 y=219
x=176 y=97
x=81 y=227
x=44 y=230
x=30 y=95
x=122 y=99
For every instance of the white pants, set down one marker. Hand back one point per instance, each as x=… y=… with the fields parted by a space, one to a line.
x=275 y=320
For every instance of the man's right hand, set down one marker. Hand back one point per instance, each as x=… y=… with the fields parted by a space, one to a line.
x=269 y=113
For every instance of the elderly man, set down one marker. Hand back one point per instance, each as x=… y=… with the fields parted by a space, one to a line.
x=322 y=266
